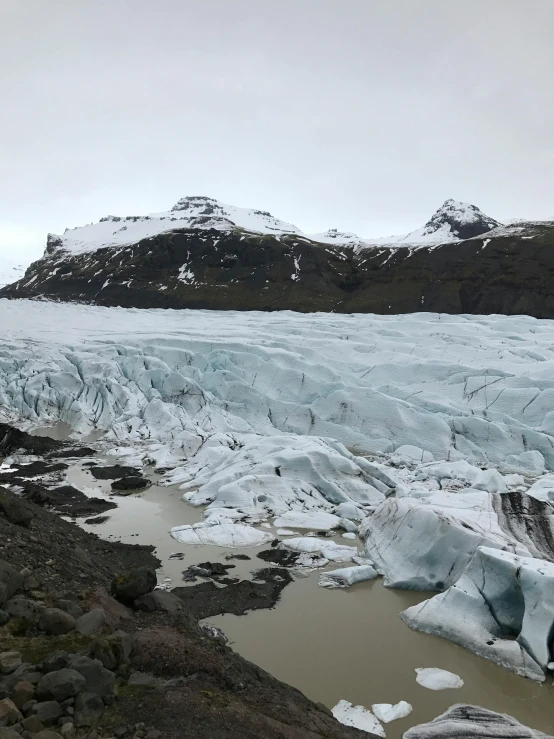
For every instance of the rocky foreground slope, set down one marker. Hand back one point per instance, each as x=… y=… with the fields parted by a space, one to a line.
x=203 y=254
x=77 y=661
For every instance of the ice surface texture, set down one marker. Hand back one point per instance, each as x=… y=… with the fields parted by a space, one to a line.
x=462 y=721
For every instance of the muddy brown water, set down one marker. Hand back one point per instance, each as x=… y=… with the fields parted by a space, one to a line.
x=330 y=644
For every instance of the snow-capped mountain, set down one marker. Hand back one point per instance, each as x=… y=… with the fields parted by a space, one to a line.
x=451 y=222
x=205 y=254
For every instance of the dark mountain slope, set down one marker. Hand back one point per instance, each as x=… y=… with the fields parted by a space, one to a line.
x=510 y=270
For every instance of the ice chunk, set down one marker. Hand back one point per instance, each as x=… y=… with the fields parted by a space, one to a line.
x=531 y=463
x=437 y=679
x=413 y=454
x=349 y=510
x=459 y=470
x=286 y=532
x=357 y=717
x=322 y=547
x=349 y=535
x=347 y=576
x=462 y=720
x=319 y=520
x=386 y=712
x=426 y=544
x=491 y=481
x=502 y=608
x=221 y=535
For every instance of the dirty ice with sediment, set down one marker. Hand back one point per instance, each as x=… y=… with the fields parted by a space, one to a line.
x=426 y=437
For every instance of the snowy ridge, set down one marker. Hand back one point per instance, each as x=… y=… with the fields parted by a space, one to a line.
x=452 y=222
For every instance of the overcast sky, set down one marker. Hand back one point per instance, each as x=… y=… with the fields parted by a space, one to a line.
x=363 y=115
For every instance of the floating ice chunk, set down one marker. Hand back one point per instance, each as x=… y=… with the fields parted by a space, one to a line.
x=462 y=720
x=349 y=535
x=502 y=608
x=413 y=454
x=387 y=712
x=491 y=481
x=358 y=717
x=347 y=576
x=286 y=532
x=221 y=535
x=319 y=520
x=348 y=525
x=437 y=679
x=327 y=549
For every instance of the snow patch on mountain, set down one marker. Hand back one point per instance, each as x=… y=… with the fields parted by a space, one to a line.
x=452 y=221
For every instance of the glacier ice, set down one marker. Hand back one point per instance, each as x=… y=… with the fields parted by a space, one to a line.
x=347 y=576
x=501 y=608
x=357 y=717
x=221 y=534
x=434 y=678
x=434 y=432
x=426 y=543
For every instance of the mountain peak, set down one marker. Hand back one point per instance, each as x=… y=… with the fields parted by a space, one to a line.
x=458 y=220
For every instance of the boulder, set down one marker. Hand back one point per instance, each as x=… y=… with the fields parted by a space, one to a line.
x=47 y=734
x=10 y=581
x=4 y=617
x=48 y=712
x=6 y=733
x=133 y=584
x=98 y=680
x=91 y=622
x=55 y=661
x=32 y=724
x=15 y=510
x=23 y=692
x=159 y=600
x=9 y=713
x=25 y=608
x=9 y=662
x=130 y=484
x=69 y=606
x=60 y=685
x=88 y=710
x=55 y=621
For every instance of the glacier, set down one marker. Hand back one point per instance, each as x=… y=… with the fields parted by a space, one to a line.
x=428 y=436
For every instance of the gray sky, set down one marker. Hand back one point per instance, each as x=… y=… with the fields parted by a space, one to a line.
x=358 y=114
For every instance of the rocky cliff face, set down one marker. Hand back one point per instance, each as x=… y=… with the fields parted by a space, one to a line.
x=202 y=254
